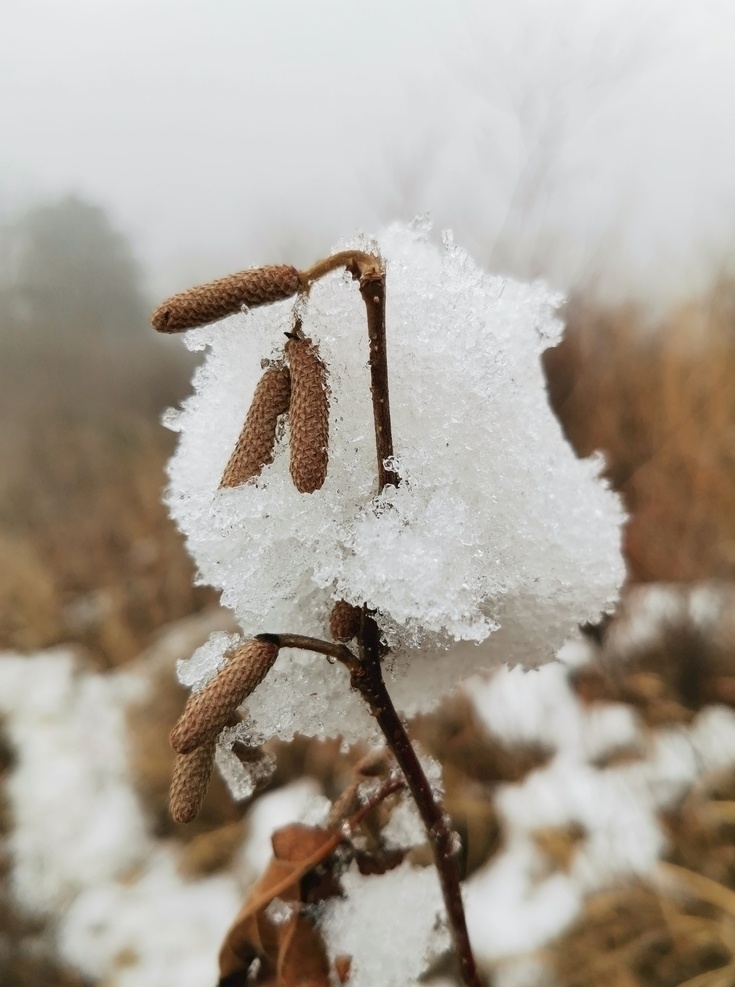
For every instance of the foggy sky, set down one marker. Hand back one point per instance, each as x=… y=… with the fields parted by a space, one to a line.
x=576 y=139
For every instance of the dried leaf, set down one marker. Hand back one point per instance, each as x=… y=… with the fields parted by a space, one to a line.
x=282 y=938
x=302 y=960
x=343 y=967
x=256 y=931
x=244 y=941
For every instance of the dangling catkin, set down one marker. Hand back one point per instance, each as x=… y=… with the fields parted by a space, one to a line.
x=344 y=621
x=208 y=711
x=309 y=416
x=256 y=444
x=190 y=782
x=210 y=302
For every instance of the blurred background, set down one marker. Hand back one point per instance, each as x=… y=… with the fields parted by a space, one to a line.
x=150 y=146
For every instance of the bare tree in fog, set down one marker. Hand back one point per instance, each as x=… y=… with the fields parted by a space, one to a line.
x=72 y=272
x=74 y=315
x=85 y=550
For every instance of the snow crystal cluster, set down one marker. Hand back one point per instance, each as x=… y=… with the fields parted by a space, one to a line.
x=516 y=903
x=497 y=541
x=80 y=849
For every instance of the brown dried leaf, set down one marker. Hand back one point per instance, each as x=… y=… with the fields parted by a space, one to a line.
x=288 y=944
x=254 y=934
x=342 y=967
x=299 y=842
x=245 y=940
x=302 y=959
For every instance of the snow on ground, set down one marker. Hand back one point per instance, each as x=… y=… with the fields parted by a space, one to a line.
x=81 y=852
x=513 y=904
x=82 y=855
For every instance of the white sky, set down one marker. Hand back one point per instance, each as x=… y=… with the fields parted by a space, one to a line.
x=590 y=139
x=192 y=120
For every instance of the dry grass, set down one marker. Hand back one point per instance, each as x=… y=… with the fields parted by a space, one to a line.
x=86 y=550
x=87 y=553
x=662 y=407
x=677 y=931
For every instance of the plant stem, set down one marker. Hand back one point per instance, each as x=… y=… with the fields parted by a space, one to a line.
x=372 y=289
x=337 y=652
x=366 y=678
x=355 y=261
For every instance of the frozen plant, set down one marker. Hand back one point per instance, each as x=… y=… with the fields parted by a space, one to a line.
x=480 y=538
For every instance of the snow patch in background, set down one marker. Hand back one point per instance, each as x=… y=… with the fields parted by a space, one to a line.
x=513 y=905
x=391 y=924
x=82 y=855
x=80 y=848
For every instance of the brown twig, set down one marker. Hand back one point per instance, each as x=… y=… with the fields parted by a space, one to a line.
x=355 y=261
x=370 y=271
x=372 y=289
x=366 y=678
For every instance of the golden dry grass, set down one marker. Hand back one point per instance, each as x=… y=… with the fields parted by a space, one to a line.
x=87 y=553
x=660 y=402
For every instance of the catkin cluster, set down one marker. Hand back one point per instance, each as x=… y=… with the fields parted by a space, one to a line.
x=194 y=737
x=300 y=391
x=344 y=621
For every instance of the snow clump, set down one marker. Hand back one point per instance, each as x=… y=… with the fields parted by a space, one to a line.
x=497 y=541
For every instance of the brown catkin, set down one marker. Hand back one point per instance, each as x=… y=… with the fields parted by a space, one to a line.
x=344 y=621
x=190 y=782
x=210 y=302
x=309 y=416
x=209 y=710
x=257 y=441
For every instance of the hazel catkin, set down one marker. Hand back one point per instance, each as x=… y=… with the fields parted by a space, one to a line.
x=209 y=302
x=344 y=621
x=209 y=710
x=309 y=415
x=190 y=782
x=256 y=444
